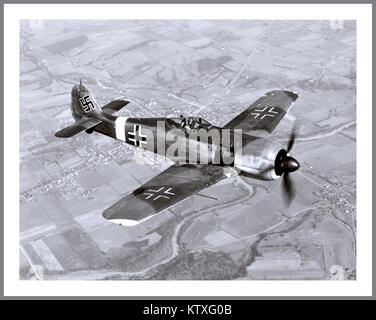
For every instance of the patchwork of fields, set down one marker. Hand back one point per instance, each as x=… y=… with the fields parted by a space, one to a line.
x=212 y=69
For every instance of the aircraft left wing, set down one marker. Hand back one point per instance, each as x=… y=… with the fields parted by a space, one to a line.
x=77 y=127
x=171 y=186
x=265 y=113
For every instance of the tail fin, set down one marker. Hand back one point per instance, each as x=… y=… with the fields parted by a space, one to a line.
x=87 y=112
x=83 y=102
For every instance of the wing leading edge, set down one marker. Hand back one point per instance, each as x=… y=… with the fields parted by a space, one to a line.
x=265 y=113
x=171 y=186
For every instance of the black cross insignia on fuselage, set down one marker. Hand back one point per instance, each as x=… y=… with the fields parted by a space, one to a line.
x=263 y=113
x=137 y=137
x=87 y=104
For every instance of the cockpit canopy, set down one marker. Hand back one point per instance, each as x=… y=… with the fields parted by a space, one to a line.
x=193 y=123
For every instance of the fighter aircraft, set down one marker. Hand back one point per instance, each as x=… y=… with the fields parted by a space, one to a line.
x=258 y=157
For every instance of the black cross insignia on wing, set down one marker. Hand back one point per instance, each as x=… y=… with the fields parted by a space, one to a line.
x=159 y=193
x=263 y=113
x=137 y=137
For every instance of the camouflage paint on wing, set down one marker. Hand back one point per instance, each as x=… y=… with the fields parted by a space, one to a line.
x=171 y=186
x=265 y=113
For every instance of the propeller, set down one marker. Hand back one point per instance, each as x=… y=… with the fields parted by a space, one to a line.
x=285 y=164
x=292 y=139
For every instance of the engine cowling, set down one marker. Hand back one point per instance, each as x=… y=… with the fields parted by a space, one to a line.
x=258 y=159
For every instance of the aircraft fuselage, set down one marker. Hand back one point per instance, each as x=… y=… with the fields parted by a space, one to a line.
x=207 y=143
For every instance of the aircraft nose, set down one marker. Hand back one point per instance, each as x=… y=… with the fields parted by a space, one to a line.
x=290 y=164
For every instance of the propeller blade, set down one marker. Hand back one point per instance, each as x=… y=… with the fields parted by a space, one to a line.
x=292 y=139
x=288 y=189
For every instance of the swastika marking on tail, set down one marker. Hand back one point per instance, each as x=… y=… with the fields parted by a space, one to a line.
x=87 y=104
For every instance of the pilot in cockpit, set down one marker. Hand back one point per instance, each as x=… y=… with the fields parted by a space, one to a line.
x=184 y=123
x=187 y=124
x=192 y=123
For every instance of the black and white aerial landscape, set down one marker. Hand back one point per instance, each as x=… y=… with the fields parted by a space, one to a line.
x=238 y=228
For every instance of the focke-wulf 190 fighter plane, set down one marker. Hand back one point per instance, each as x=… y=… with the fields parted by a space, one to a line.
x=244 y=154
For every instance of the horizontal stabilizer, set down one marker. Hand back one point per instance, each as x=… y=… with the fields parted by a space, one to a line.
x=114 y=106
x=77 y=127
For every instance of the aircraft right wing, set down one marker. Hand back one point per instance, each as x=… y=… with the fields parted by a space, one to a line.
x=77 y=127
x=114 y=106
x=265 y=113
x=171 y=186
